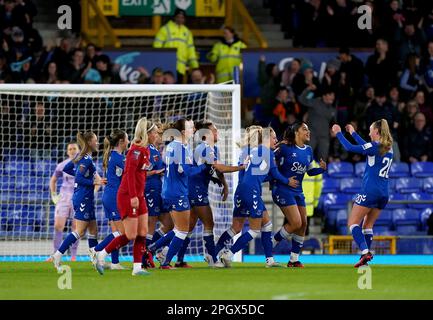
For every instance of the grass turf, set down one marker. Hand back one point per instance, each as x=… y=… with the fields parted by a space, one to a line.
x=27 y=280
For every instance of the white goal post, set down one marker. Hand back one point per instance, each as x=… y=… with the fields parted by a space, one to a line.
x=38 y=120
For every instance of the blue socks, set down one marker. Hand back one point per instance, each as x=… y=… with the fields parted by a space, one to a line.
x=115 y=256
x=157 y=235
x=267 y=243
x=368 y=236
x=209 y=243
x=243 y=240
x=182 y=251
x=91 y=239
x=359 y=238
x=175 y=245
x=224 y=240
x=162 y=242
x=70 y=239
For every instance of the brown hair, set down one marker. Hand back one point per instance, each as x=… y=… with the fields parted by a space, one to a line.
x=110 y=142
x=385 y=136
x=83 y=141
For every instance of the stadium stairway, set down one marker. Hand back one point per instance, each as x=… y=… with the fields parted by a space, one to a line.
x=264 y=20
x=46 y=20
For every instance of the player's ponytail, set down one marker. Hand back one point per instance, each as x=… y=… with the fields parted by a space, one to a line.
x=385 y=139
x=140 y=136
x=110 y=142
x=255 y=137
x=83 y=141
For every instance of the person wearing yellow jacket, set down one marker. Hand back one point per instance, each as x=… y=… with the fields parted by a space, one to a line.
x=312 y=187
x=174 y=34
x=227 y=55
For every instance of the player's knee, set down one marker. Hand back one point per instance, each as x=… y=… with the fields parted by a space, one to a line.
x=254 y=233
x=297 y=223
x=131 y=235
x=59 y=227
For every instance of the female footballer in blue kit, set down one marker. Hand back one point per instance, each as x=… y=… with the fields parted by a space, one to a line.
x=179 y=167
x=157 y=211
x=113 y=164
x=373 y=196
x=238 y=218
x=248 y=201
x=83 y=199
x=294 y=158
x=205 y=152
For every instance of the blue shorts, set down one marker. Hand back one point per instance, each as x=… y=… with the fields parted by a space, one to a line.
x=285 y=198
x=109 y=202
x=248 y=203
x=177 y=204
x=371 y=200
x=155 y=204
x=198 y=197
x=84 y=210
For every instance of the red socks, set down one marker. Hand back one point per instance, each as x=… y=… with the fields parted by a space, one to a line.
x=117 y=243
x=139 y=248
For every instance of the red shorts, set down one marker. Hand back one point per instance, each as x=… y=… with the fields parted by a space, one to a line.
x=125 y=209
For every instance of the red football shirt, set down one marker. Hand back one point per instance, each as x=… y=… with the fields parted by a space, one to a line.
x=134 y=175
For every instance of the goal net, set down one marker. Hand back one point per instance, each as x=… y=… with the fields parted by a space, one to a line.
x=37 y=122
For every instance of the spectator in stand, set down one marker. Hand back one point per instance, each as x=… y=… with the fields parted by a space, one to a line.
x=197 y=77
x=227 y=55
x=360 y=107
x=90 y=55
x=409 y=40
x=5 y=72
x=50 y=75
x=418 y=140
x=392 y=19
x=353 y=68
x=380 y=108
x=304 y=78
x=7 y=17
x=157 y=76
x=175 y=34
x=22 y=16
x=22 y=71
x=284 y=111
x=39 y=132
x=424 y=106
x=18 y=47
x=407 y=116
x=321 y=115
x=331 y=77
x=269 y=81
x=340 y=22
x=169 y=78
x=103 y=65
x=427 y=66
x=290 y=71
x=61 y=55
x=76 y=70
x=380 y=67
x=411 y=78
x=394 y=98
x=312 y=21
x=428 y=25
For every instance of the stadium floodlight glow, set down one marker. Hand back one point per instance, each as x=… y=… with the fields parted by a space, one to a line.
x=28 y=161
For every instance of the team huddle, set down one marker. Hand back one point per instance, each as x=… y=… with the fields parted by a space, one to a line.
x=141 y=189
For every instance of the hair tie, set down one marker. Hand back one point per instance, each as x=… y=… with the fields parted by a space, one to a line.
x=151 y=127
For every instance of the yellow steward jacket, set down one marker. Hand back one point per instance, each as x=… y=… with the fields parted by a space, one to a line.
x=172 y=35
x=226 y=56
x=312 y=187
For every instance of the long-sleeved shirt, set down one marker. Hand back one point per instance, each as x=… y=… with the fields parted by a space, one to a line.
x=134 y=175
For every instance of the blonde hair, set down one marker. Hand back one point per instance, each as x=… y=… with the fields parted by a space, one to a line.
x=83 y=141
x=253 y=136
x=385 y=139
x=141 y=130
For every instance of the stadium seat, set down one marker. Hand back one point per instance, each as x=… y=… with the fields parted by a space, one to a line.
x=342 y=222
x=420 y=197
x=331 y=185
x=422 y=169
x=335 y=201
x=428 y=185
x=396 y=197
x=406 y=221
x=19 y=167
x=350 y=185
x=44 y=167
x=384 y=219
x=359 y=169
x=340 y=170
x=424 y=216
x=399 y=170
x=408 y=185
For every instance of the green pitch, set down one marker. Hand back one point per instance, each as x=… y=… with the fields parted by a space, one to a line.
x=28 y=280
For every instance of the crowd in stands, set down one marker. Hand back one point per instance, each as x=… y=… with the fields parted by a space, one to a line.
x=395 y=82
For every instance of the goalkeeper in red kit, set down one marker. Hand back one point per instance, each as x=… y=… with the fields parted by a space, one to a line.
x=131 y=202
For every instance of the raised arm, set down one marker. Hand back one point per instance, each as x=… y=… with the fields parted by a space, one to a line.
x=366 y=149
x=356 y=136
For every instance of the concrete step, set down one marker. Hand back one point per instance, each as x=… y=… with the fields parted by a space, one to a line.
x=263 y=19
x=269 y=27
x=283 y=44
x=273 y=35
